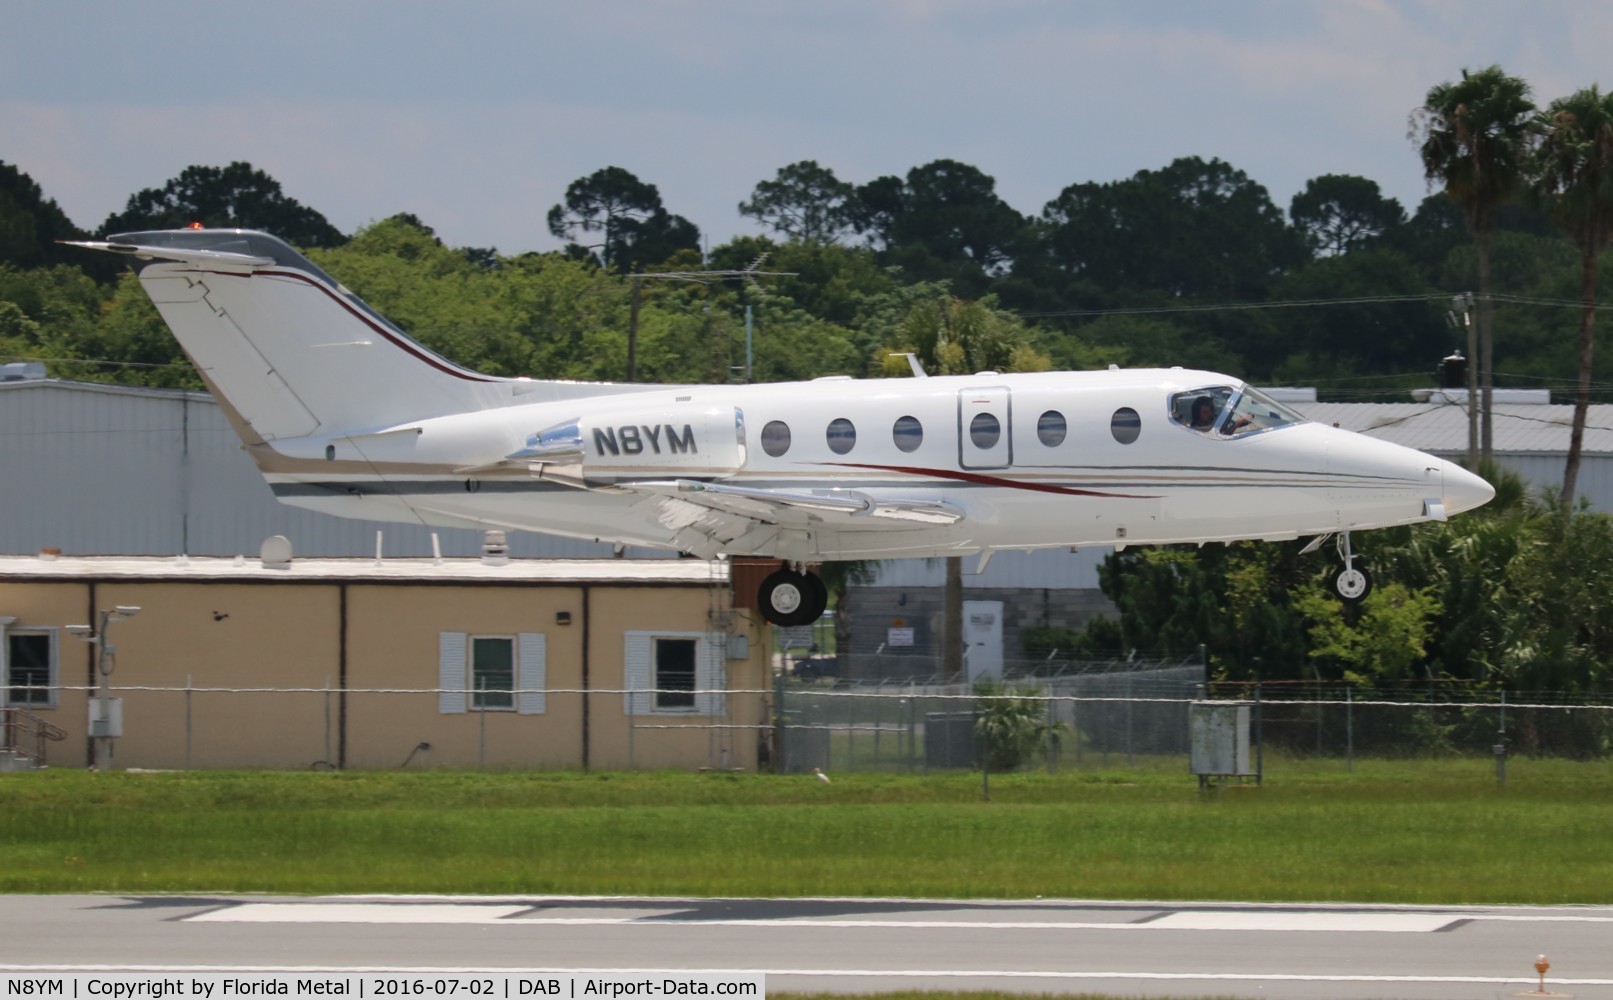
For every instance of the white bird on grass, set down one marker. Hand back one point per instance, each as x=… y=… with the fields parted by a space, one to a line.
x=821 y=776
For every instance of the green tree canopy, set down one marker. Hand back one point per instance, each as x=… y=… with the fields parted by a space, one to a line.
x=1194 y=229
x=1337 y=213
x=236 y=196
x=804 y=202
x=945 y=221
x=634 y=229
x=30 y=223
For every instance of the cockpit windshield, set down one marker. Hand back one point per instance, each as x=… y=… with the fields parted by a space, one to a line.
x=1226 y=410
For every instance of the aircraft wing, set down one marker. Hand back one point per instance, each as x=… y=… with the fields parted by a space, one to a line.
x=707 y=517
x=847 y=503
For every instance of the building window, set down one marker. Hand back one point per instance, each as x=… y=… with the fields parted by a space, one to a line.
x=1050 y=428
x=1126 y=425
x=984 y=430
x=842 y=435
x=674 y=674
x=30 y=663
x=908 y=433
x=776 y=438
x=492 y=673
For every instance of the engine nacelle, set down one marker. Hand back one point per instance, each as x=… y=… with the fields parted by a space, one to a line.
x=688 y=440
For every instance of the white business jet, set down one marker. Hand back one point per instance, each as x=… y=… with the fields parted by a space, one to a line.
x=345 y=414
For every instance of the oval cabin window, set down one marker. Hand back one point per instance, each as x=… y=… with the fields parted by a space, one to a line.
x=842 y=435
x=1126 y=425
x=1050 y=428
x=908 y=433
x=776 y=438
x=984 y=430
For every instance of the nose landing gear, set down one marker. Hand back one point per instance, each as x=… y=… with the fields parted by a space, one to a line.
x=1350 y=582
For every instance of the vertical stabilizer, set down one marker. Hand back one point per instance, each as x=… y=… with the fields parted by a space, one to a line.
x=288 y=348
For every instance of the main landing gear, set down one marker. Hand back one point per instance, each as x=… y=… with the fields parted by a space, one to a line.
x=791 y=596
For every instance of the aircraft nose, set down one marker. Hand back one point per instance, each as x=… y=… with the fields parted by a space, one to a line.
x=1463 y=490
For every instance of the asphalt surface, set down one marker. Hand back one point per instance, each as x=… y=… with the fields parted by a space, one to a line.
x=849 y=946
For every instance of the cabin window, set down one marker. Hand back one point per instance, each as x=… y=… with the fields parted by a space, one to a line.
x=842 y=435
x=1050 y=428
x=1126 y=425
x=985 y=430
x=908 y=433
x=776 y=438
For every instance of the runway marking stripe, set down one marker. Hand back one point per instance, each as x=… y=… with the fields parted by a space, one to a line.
x=1258 y=920
x=1180 y=920
x=830 y=973
x=359 y=913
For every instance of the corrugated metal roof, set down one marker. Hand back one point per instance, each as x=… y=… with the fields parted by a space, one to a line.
x=215 y=570
x=107 y=469
x=142 y=391
x=1442 y=427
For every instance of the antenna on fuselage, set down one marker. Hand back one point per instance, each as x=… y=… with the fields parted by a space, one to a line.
x=913 y=363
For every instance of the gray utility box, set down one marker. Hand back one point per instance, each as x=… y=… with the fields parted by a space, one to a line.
x=949 y=740
x=1218 y=733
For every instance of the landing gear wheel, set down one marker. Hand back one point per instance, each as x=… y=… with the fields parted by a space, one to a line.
x=1352 y=584
x=790 y=598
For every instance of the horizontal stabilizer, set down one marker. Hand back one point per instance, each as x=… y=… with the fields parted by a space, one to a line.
x=182 y=255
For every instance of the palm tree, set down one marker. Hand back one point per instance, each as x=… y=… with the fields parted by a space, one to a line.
x=1474 y=136
x=1574 y=168
x=951 y=336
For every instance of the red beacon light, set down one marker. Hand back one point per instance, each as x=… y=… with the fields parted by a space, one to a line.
x=194 y=225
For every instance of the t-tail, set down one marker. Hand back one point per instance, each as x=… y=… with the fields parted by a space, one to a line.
x=291 y=352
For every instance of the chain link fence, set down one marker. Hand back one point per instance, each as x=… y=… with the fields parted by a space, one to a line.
x=1096 y=718
x=1138 y=718
x=1087 y=714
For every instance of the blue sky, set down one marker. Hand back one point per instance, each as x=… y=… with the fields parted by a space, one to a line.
x=475 y=115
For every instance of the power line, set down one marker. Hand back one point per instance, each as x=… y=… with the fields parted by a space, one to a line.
x=1301 y=304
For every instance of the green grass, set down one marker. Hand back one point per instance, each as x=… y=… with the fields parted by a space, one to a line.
x=1409 y=832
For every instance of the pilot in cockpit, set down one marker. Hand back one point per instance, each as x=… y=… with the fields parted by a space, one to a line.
x=1204 y=415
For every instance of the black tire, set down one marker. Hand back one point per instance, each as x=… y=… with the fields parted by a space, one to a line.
x=1352 y=585
x=820 y=593
x=789 y=598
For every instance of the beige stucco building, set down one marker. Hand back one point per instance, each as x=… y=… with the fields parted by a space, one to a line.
x=363 y=663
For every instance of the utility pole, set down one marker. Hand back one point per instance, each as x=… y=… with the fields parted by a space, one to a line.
x=750 y=273
x=106 y=712
x=1461 y=316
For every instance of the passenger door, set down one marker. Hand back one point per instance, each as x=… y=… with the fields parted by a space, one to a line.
x=984 y=418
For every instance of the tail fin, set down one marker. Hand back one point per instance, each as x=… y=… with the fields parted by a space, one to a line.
x=286 y=346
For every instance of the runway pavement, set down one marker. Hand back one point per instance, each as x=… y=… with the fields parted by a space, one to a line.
x=852 y=945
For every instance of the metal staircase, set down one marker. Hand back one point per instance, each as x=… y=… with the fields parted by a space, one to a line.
x=23 y=736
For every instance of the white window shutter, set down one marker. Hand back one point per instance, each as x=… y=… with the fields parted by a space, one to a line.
x=532 y=676
x=5 y=664
x=451 y=661
x=636 y=674
x=55 y=665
